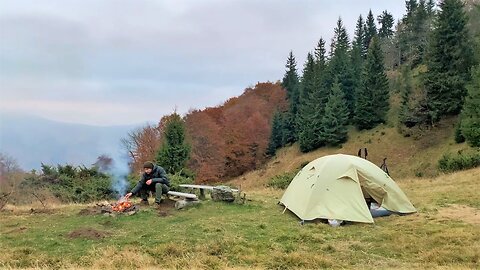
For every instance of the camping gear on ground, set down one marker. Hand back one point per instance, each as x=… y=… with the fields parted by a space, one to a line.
x=335 y=187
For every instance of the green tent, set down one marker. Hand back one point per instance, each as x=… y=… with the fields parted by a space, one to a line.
x=335 y=187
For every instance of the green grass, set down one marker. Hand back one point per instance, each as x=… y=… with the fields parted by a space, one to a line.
x=254 y=235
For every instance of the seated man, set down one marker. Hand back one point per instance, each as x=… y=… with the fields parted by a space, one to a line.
x=153 y=179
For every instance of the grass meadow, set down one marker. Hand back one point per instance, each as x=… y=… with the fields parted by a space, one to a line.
x=444 y=234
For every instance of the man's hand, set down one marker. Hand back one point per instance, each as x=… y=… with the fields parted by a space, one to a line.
x=149 y=182
x=128 y=195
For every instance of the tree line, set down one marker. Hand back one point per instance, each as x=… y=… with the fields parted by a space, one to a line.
x=349 y=86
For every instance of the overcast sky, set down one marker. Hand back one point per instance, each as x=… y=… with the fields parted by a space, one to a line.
x=111 y=62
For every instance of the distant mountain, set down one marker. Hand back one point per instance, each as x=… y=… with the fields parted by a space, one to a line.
x=33 y=140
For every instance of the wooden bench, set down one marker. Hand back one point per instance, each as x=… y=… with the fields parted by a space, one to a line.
x=202 y=189
x=188 y=199
x=184 y=195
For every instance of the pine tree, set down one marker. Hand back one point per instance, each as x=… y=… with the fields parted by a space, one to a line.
x=174 y=152
x=335 y=121
x=276 y=135
x=357 y=55
x=320 y=64
x=359 y=38
x=405 y=40
x=320 y=94
x=386 y=25
x=291 y=83
x=430 y=7
x=308 y=120
x=372 y=103
x=470 y=125
x=449 y=60
x=308 y=79
x=406 y=91
x=370 y=30
x=339 y=66
x=420 y=28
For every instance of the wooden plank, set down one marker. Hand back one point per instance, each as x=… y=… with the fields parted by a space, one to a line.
x=196 y=186
x=202 y=187
x=182 y=194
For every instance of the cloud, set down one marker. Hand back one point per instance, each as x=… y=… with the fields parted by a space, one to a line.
x=66 y=59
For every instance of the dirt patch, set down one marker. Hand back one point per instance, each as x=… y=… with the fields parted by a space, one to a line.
x=18 y=230
x=42 y=211
x=87 y=233
x=461 y=212
x=166 y=208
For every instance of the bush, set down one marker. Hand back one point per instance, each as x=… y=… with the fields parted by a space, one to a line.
x=178 y=179
x=281 y=181
x=70 y=184
x=461 y=161
x=459 y=138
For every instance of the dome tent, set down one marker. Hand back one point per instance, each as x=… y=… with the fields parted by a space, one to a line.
x=335 y=187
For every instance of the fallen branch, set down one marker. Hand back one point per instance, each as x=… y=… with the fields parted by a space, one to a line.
x=40 y=200
x=4 y=199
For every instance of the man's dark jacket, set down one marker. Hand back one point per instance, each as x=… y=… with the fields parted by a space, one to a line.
x=158 y=175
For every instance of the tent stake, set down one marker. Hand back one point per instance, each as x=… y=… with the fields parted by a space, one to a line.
x=284 y=210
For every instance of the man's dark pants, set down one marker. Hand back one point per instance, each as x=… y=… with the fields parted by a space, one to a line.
x=157 y=188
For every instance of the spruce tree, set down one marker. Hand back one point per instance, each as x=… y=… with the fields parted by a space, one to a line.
x=405 y=33
x=420 y=29
x=334 y=127
x=276 y=135
x=291 y=83
x=357 y=55
x=470 y=125
x=308 y=79
x=308 y=120
x=449 y=60
x=406 y=91
x=372 y=103
x=339 y=66
x=386 y=25
x=370 y=30
x=320 y=94
x=359 y=38
x=430 y=7
x=320 y=64
x=174 y=151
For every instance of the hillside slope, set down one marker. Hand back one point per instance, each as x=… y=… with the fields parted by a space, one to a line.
x=406 y=156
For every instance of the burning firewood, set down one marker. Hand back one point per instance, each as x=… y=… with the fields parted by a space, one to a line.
x=122 y=205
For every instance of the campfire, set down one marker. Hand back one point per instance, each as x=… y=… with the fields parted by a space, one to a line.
x=122 y=206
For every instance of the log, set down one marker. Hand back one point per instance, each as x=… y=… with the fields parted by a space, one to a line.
x=182 y=194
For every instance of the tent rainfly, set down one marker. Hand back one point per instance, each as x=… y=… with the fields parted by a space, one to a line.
x=335 y=187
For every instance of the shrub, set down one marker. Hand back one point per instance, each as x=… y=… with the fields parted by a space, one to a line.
x=281 y=181
x=70 y=184
x=459 y=138
x=461 y=161
x=178 y=179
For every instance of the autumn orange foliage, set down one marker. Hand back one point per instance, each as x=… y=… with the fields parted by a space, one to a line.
x=232 y=139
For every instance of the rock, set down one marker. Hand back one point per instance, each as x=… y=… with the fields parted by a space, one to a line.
x=223 y=194
x=185 y=203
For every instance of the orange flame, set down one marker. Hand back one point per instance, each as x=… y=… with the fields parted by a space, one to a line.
x=121 y=206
